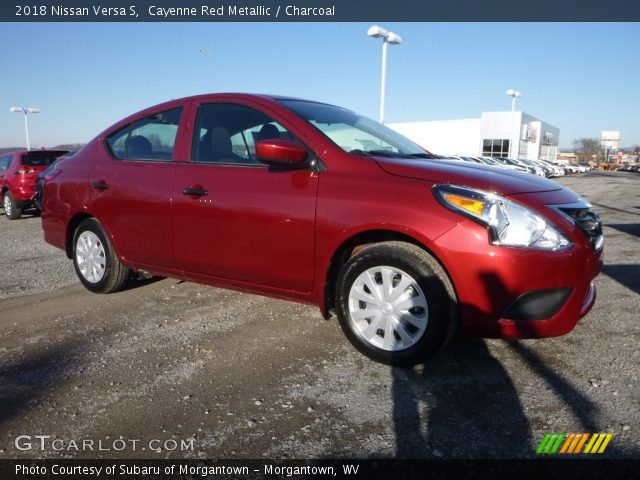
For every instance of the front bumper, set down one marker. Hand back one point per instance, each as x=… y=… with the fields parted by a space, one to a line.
x=490 y=280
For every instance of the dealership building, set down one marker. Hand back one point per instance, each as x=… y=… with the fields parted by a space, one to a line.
x=494 y=134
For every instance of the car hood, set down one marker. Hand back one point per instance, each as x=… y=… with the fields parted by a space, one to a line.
x=494 y=179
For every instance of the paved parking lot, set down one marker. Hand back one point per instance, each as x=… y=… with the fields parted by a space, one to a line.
x=172 y=369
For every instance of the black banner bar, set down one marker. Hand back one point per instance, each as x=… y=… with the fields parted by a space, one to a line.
x=320 y=11
x=317 y=469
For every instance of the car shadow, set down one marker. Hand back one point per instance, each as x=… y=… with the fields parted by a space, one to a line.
x=140 y=280
x=470 y=399
x=32 y=214
x=630 y=228
x=25 y=215
x=608 y=207
x=462 y=404
x=27 y=380
x=627 y=275
x=585 y=410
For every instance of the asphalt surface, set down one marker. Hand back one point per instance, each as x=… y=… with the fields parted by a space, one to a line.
x=168 y=369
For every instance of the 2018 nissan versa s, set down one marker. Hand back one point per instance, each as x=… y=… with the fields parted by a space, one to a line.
x=310 y=202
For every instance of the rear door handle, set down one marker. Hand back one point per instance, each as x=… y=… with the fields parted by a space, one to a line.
x=100 y=185
x=201 y=192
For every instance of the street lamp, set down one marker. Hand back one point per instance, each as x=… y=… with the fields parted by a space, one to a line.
x=26 y=123
x=513 y=94
x=387 y=38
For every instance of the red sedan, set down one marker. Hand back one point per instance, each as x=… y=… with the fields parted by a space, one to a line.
x=310 y=202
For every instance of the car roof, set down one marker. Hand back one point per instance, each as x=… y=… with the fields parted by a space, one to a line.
x=237 y=95
x=230 y=95
x=176 y=102
x=250 y=95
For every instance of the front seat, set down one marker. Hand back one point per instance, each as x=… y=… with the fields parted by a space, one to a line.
x=138 y=147
x=221 y=150
x=268 y=132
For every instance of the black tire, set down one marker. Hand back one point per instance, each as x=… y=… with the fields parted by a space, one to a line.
x=114 y=274
x=14 y=212
x=436 y=289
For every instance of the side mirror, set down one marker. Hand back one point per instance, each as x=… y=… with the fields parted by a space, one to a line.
x=279 y=151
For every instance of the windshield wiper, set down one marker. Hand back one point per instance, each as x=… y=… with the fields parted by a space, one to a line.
x=386 y=153
x=422 y=155
x=390 y=154
x=357 y=151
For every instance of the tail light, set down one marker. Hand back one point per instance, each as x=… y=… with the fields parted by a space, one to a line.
x=25 y=172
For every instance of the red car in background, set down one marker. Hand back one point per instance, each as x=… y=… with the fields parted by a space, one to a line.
x=18 y=174
x=310 y=202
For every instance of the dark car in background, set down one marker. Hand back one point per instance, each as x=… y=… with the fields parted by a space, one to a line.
x=46 y=175
x=311 y=202
x=18 y=174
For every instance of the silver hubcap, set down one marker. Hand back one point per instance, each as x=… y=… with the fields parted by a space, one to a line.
x=90 y=257
x=388 y=308
x=7 y=205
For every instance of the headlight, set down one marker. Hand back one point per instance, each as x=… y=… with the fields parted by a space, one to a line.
x=509 y=224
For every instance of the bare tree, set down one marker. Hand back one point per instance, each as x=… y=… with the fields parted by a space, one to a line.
x=588 y=150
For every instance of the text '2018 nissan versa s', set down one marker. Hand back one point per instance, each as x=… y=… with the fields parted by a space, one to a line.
x=310 y=202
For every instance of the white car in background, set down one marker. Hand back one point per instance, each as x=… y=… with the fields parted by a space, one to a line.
x=537 y=169
x=558 y=171
x=512 y=163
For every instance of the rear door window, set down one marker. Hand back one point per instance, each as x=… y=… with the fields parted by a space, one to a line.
x=153 y=138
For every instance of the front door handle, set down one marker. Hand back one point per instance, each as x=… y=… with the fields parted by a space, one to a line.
x=100 y=185
x=201 y=192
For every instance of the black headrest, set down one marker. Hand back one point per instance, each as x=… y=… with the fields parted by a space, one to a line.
x=268 y=131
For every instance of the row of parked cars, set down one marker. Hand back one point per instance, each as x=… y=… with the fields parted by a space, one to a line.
x=311 y=202
x=542 y=168
x=630 y=168
x=577 y=168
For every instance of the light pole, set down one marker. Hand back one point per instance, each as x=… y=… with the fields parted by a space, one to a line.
x=387 y=38
x=26 y=111
x=513 y=94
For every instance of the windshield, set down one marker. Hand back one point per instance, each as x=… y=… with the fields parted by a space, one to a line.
x=353 y=133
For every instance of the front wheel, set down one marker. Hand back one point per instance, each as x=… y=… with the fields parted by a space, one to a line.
x=11 y=209
x=395 y=303
x=95 y=261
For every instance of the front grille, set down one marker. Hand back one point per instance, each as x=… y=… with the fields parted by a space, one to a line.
x=587 y=219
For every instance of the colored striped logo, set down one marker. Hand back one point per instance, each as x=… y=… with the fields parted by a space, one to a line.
x=572 y=443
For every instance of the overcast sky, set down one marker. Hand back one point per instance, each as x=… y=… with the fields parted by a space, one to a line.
x=581 y=77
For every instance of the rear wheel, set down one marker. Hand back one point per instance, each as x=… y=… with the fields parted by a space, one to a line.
x=395 y=303
x=95 y=261
x=11 y=209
